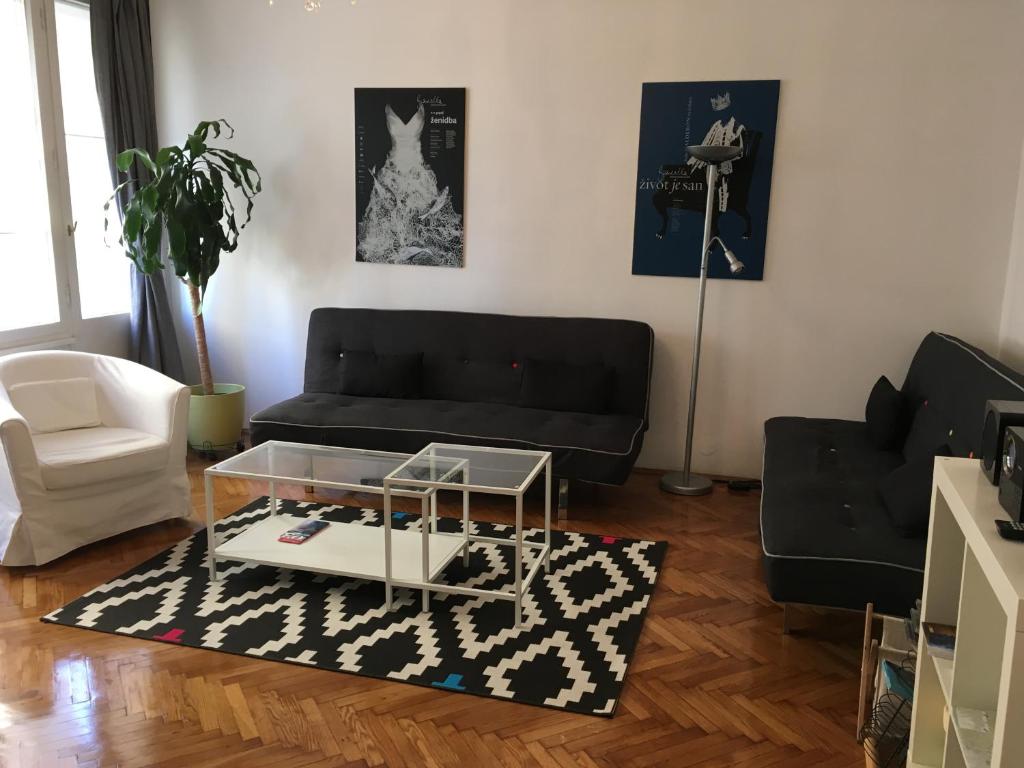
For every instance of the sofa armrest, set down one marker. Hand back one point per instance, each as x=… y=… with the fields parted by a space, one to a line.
x=138 y=397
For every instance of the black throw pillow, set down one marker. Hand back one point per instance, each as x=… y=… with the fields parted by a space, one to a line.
x=907 y=493
x=368 y=374
x=887 y=415
x=928 y=432
x=558 y=386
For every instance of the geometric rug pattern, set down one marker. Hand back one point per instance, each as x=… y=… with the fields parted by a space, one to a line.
x=581 y=620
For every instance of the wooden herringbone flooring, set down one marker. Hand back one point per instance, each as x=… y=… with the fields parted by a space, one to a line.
x=714 y=681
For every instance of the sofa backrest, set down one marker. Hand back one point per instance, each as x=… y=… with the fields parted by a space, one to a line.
x=479 y=357
x=956 y=379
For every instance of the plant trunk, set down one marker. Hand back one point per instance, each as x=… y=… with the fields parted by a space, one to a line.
x=201 y=352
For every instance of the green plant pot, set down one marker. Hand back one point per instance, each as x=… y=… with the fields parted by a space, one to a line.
x=215 y=421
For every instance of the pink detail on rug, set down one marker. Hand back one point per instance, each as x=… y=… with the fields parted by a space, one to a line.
x=608 y=539
x=172 y=636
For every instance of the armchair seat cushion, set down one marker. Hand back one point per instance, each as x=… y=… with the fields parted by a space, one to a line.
x=79 y=457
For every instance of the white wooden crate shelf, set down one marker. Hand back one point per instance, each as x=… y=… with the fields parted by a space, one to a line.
x=975 y=580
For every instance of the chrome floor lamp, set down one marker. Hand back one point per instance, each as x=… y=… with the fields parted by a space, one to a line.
x=685 y=483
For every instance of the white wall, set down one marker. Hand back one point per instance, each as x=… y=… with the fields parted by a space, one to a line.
x=104 y=336
x=110 y=335
x=892 y=200
x=1011 y=332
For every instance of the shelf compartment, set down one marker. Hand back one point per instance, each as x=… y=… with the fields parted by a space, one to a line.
x=981 y=636
x=976 y=745
x=944 y=669
x=342 y=549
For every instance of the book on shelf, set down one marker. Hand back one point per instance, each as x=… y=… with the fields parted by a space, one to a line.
x=913 y=624
x=941 y=639
x=898 y=680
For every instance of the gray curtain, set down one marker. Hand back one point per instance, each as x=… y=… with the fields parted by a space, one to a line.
x=122 y=54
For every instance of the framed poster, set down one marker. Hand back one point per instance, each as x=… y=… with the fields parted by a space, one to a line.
x=671 y=188
x=410 y=164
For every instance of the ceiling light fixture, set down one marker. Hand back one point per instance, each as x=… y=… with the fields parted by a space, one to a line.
x=311 y=5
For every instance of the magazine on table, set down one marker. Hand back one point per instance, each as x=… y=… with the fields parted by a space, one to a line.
x=303 y=532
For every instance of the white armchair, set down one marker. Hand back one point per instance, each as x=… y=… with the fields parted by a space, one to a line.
x=122 y=467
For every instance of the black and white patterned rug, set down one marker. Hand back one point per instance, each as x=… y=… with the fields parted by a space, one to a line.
x=580 y=625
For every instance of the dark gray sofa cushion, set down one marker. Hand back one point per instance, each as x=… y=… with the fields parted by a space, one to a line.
x=367 y=374
x=888 y=414
x=827 y=537
x=956 y=379
x=558 y=386
x=907 y=493
x=471 y=387
x=480 y=358
x=586 y=446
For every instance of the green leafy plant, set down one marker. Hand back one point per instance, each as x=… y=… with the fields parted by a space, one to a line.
x=188 y=195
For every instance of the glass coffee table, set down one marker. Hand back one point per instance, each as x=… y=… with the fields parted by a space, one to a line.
x=403 y=558
x=342 y=549
x=473 y=469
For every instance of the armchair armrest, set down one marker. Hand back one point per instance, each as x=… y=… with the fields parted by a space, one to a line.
x=140 y=398
x=16 y=448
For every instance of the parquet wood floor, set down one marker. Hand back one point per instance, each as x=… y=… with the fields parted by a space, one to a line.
x=714 y=681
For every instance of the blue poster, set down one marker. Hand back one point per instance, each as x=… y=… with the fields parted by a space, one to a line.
x=671 y=189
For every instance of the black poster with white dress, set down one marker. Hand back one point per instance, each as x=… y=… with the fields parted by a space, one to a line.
x=410 y=186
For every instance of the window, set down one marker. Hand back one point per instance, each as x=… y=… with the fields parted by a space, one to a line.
x=103 y=270
x=58 y=269
x=28 y=286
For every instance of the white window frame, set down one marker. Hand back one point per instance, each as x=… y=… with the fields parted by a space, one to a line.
x=40 y=17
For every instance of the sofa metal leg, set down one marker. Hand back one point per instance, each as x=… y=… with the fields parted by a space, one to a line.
x=563 y=499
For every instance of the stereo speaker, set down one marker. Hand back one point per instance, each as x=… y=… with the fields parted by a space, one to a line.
x=999 y=414
x=1011 y=478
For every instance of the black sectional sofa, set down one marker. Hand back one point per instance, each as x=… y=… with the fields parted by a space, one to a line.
x=827 y=537
x=578 y=387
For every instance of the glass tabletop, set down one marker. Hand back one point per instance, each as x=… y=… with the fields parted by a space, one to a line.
x=465 y=465
x=352 y=468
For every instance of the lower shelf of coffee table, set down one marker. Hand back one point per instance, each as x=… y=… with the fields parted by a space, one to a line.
x=342 y=549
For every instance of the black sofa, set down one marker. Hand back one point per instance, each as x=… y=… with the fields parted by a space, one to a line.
x=826 y=534
x=471 y=387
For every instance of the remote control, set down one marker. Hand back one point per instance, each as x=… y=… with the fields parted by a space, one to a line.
x=1010 y=530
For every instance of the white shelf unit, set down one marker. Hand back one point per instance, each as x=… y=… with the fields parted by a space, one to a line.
x=974 y=580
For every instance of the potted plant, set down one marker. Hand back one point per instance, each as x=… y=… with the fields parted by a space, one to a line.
x=189 y=197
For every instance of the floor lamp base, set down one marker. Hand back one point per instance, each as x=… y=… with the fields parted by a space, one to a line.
x=676 y=482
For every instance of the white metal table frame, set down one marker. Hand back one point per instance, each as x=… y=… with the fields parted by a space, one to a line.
x=427 y=496
x=521 y=586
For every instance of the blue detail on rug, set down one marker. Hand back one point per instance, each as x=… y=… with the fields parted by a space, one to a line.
x=452 y=682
